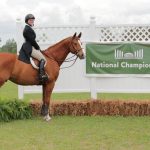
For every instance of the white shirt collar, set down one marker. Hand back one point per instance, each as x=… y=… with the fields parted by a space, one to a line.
x=28 y=25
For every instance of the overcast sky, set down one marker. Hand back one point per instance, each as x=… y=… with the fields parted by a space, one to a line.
x=57 y=12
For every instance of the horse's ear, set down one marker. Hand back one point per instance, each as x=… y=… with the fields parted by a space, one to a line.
x=79 y=34
x=74 y=35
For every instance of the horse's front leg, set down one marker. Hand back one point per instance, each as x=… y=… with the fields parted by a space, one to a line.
x=47 y=91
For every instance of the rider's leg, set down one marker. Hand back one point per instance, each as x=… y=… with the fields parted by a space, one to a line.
x=38 y=55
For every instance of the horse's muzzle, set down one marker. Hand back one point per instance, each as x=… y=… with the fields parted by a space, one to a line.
x=82 y=56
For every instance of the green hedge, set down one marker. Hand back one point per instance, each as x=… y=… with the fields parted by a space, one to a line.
x=14 y=109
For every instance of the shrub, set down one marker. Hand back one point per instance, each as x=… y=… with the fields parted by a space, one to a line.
x=14 y=109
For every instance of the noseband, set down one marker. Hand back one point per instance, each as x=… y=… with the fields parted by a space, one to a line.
x=76 y=51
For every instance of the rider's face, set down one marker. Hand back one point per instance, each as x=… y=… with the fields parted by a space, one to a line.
x=31 y=22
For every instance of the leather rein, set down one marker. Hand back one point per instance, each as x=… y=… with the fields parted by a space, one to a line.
x=68 y=59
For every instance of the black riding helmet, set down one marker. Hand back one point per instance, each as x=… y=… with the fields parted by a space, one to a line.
x=29 y=16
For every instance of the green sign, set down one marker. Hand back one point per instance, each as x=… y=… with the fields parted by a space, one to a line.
x=122 y=58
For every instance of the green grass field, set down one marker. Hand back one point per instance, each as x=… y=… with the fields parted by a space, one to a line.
x=9 y=91
x=77 y=133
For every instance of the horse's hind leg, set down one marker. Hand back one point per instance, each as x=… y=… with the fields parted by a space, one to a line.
x=1 y=82
x=3 y=78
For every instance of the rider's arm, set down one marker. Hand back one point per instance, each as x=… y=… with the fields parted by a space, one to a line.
x=30 y=36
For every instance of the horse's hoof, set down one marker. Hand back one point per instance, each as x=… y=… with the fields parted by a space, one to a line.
x=47 y=118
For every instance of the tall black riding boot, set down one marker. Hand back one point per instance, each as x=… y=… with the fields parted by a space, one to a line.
x=42 y=75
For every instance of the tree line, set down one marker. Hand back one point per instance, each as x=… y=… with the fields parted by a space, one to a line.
x=10 y=46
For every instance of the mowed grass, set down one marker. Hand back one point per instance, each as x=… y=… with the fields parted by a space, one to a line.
x=77 y=133
x=9 y=91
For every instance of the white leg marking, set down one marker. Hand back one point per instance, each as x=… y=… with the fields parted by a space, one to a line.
x=47 y=117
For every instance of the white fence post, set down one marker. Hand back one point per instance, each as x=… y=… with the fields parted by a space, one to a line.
x=19 y=40
x=20 y=92
x=92 y=37
x=19 y=37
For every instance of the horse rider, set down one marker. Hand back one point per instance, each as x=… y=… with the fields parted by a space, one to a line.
x=31 y=48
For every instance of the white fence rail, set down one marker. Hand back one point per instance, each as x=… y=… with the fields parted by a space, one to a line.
x=74 y=79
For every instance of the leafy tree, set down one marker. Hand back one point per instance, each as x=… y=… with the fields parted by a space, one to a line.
x=10 y=46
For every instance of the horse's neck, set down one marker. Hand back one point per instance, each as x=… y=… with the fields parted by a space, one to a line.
x=59 y=51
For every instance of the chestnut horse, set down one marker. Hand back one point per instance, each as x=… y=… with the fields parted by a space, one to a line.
x=24 y=74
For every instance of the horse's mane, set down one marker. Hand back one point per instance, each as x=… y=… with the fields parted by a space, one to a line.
x=58 y=43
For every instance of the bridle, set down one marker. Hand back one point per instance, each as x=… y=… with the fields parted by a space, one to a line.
x=76 y=53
